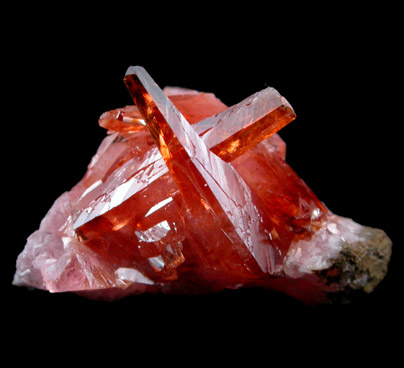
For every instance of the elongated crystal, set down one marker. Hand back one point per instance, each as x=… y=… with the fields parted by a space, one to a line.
x=212 y=190
x=242 y=126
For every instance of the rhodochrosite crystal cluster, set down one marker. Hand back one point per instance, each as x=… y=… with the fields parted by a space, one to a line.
x=186 y=195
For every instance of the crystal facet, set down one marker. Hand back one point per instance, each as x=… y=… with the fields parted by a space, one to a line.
x=185 y=195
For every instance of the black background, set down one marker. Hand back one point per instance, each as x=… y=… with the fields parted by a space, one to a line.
x=337 y=67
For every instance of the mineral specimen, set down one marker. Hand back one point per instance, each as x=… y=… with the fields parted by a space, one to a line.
x=185 y=195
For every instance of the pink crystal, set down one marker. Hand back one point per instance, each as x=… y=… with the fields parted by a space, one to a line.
x=203 y=203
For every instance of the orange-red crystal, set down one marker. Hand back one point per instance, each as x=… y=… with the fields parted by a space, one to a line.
x=186 y=195
x=180 y=212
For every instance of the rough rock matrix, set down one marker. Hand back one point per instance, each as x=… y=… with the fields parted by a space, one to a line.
x=186 y=195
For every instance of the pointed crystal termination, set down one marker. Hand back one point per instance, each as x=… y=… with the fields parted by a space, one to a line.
x=212 y=190
x=198 y=106
x=242 y=126
x=127 y=119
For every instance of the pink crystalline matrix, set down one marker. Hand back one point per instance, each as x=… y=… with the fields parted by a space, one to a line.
x=186 y=195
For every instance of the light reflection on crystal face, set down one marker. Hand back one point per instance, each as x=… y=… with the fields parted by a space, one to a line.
x=155 y=233
x=315 y=214
x=158 y=206
x=132 y=275
x=91 y=188
x=157 y=262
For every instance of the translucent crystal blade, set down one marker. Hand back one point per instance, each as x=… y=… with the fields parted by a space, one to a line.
x=242 y=126
x=211 y=188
